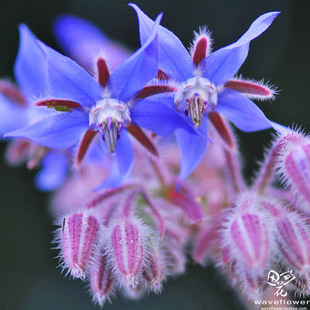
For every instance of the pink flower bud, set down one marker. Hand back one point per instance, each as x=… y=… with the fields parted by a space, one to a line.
x=128 y=244
x=293 y=239
x=250 y=240
x=154 y=271
x=247 y=239
x=101 y=278
x=273 y=161
x=296 y=170
x=78 y=238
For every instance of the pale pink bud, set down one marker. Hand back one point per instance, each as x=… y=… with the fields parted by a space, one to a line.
x=281 y=147
x=293 y=239
x=296 y=170
x=250 y=240
x=128 y=244
x=78 y=238
x=154 y=271
x=101 y=278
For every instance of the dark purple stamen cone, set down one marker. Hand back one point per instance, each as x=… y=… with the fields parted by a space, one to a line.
x=195 y=109
x=110 y=133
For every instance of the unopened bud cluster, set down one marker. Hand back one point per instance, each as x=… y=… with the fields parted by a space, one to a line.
x=130 y=239
x=124 y=240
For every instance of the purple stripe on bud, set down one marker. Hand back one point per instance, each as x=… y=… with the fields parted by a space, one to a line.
x=293 y=239
x=280 y=147
x=250 y=240
x=297 y=169
x=128 y=250
x=154 y=271
x=78 y=239
x=101 y=279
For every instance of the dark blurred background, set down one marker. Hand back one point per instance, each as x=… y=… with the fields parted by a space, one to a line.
x=29 y=279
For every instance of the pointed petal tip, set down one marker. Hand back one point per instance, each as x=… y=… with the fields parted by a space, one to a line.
x=269 y=17
x=159 y=18
x=23 y=28
x=138 y=10
x=273 y=13
x=25 y=32
x=134 y=6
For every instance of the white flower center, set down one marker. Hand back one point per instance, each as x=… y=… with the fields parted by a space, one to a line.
x=108 y=108
x=109 y=116
x=195 y=97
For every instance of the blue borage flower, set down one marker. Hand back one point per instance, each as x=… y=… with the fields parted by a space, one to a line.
x=15 y=113
x=83 y=107
x=204 y=85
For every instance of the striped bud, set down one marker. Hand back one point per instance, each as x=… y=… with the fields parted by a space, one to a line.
x=250 y=240
x=247 y=239
x=78 y=238
x=101 y=279
x=296 y=169
x=128 y=244
x=293 y=239
x=154 y=271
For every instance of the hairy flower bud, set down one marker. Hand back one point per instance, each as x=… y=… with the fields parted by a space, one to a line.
x=293 y=240
x=274 y=158
x=128 y=244
x=78 y=238
x=296 y=170
x=101 y=278
x=248 y=239
x=155 y=269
